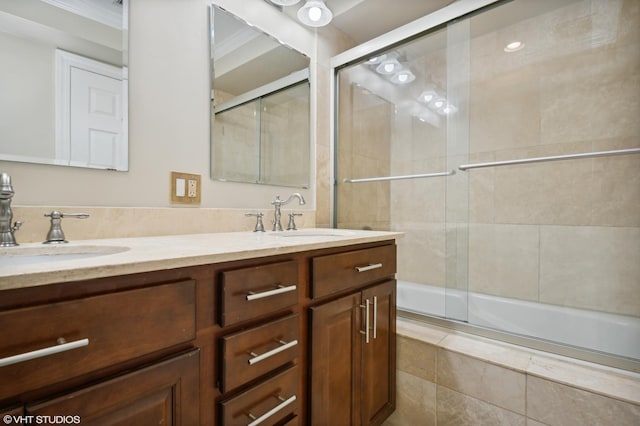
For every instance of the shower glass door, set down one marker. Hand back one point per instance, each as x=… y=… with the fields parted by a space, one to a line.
x=394 y=136
x=505 y=144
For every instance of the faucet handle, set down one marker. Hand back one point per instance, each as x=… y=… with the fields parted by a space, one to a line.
x=259 y=225
x=292 y=223
x=55 y=234
x=57 y=215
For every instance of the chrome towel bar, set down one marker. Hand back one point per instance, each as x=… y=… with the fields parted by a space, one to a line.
x=550 y=158
x=385 y=178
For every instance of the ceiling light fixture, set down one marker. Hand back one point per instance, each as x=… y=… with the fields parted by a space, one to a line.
x=447 y=109
x=514 y=46
x=403 y=77
x=285 y=2
x=437 y=103
x=315 y=13
x=376 y=59
x=388 y=67
x=427 y=96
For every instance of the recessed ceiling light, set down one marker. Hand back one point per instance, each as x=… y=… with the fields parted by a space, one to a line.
x=403 y=77
x=514 y=46
x=376 y=59
x=447 y=109
x=388 y=67
x=427 y=96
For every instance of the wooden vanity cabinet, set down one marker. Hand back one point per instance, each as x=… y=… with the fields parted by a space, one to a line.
x=352 y=343
x=277 y=340
x=259 y=343
x=164 y=393
x=115 y=351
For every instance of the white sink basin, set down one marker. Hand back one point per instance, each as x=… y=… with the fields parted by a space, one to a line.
x=328 y=232
x=14 y=256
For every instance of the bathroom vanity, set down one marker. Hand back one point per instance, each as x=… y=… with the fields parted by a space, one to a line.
x=227 y=329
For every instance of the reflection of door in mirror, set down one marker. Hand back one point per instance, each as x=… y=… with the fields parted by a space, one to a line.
x=32 y=33
x=89 y=113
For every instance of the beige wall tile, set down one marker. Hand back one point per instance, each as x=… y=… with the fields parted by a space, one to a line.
x=421 y=253
x=416 y=358
x=455 y=409
x=544 y=193
x=503 y=260
x=492 y=351
x=557 y=404
x=591 y=267
x=491 y=383
x=415 y=402
x=618 y=384
x=616 y=191
x=481 y=190
x=119 y=222
x=418 y=331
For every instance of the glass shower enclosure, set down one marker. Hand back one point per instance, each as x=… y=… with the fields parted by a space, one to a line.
x=504 y=144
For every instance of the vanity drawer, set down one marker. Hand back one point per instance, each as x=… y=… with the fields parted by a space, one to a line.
x=252 y=292
x=250 y=354
x=335 y=273
x=273 y=401
x=80 y=336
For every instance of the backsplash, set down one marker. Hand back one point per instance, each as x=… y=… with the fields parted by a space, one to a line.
x=122 y=222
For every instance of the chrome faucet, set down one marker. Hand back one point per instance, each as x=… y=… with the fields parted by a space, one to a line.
x=7 y=238
x=277 y=203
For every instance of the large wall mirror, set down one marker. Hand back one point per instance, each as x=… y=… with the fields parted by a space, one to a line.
x=64 y=82
x=260 y=131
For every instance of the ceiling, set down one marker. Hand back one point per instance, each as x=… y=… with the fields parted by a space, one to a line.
x=363 y=20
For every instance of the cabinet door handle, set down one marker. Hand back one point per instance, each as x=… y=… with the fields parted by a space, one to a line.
x=280 y=289
x=369 y=267
x=366 y=320
x=62 y=346
x=375 y=316
x=284 y=346
x=257 y=420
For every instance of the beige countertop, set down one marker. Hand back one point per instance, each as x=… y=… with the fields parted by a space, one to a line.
x=34 y=264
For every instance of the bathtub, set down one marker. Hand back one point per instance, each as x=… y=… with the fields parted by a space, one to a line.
x=598 y=331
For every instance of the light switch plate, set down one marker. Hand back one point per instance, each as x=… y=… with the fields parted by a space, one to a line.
x=185 y=188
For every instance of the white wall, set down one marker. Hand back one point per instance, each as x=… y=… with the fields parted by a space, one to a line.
x=168 y=115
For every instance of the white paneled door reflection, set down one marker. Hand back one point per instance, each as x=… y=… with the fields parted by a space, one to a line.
x=95 y=119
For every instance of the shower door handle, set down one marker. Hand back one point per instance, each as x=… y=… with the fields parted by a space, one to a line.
x=366 y=320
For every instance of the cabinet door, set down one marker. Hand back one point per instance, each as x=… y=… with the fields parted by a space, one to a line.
x=379 y=355
x=334 y=358
x=164 y=393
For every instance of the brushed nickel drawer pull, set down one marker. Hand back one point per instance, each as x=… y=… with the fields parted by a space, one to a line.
x=284 y=346
x=375 y=316
x=257 y=420
x=366 y=321
x=62 y=346
x=369 y=267
x=280 y=289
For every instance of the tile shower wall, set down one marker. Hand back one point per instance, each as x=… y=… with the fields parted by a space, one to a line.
x=449 y=378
